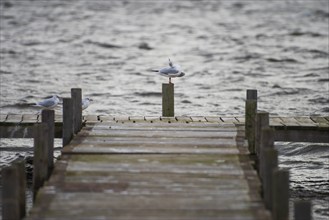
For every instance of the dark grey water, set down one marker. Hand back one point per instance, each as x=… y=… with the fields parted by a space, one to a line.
x=279 y=47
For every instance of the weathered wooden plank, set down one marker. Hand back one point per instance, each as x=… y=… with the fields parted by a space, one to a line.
x=276 y=122
x=137 y=119
x=121 y=119
x=29 y=118
x=152 y=119
x=321 y=121
x=3 y=117
x=91 y=149
x=90 y=118
x=305 y=121
x=100 y=144
x=229 y=120
x=105 y=118
x=183 y=119
x=240 y=119
x=202 y=119
x=168 y=119
x=162 y=125
x=110 y=132
x=14 y=118
x=289 y=122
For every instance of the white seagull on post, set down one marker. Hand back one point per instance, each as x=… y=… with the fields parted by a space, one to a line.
x=170 y=71
x=49 y=103
x=85 y=103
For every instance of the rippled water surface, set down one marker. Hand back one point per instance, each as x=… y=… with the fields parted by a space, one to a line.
x=279 y=47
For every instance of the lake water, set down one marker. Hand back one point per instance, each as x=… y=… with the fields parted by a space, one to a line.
x=279 y=47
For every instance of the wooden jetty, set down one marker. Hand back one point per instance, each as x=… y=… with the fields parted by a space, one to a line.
x=181 y=167
x=159 y=170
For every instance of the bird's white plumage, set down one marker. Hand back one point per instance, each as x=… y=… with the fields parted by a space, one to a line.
x=85 y=103
x=49 y=103
x=171 y=71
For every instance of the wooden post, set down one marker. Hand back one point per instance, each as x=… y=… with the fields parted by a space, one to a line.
x=76 y=95
x=267 y=141
x=302 y=210
x=250 y=119
x=40 y=160
x=20 y=166
x=262 y=122
x=270 y=164
x=67 y=121
x=48 y=117
x=168 y=100
x=280 y=195
x=10 y=193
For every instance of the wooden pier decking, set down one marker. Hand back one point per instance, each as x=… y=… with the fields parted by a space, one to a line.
x=298 y=128
x=152 y=168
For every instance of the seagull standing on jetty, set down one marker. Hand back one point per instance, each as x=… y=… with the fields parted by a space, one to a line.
x=49 y=103
x=170 y=71
x=85 y=103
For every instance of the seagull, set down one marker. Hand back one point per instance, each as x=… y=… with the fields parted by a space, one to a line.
x=49 y=103
x=85 y=103
x=171 y=71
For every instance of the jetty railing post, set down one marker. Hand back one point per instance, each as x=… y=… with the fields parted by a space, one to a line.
x=13 y=191
x=48 y=117
x=20 y=166
x=76 y=95
x=10 y=192
x=302 y=210
x=267 y=141
x=280 y=195
x=168 y=100
x=270 y=164
x=40 y=160
x=262 y=122
x=250 y=119
x=67 y=121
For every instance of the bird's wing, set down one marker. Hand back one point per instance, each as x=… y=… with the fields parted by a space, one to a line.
x=168 y=70
x=47 y=103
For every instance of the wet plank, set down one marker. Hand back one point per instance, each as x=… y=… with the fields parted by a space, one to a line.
x=289 y=122
x=200 y=119
x=90 y=118
x=229 y=120
x=3 y=117
x=14 y=118
x=321 y=121
x=106 y=118
x=276 y=121
x=305 y=121
x=28 y=118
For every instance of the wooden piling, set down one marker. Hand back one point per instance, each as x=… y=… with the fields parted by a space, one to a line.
x=20 y=166
x=10 y=194
x=76 y=95
x=267 y=141
x=250 y=119
x=168 y=100
x=302 y=210
x=67 y=121
x=48 y=117
x=270 y=164
x=262 y=122
x=280 y=195
x=40 y=160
